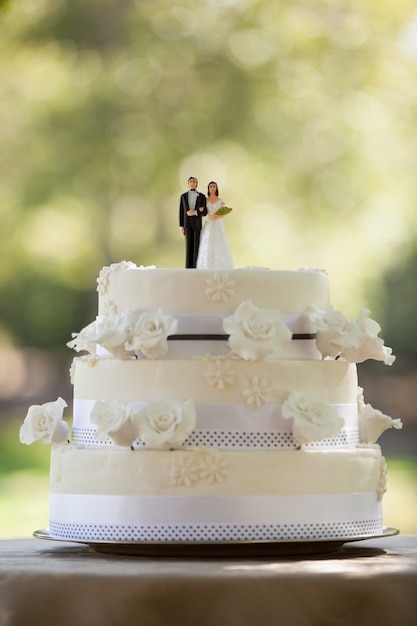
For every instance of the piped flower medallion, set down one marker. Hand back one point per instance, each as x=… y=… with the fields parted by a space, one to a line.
x=184 y=473
x=197 y=466
x=220 y=287
x=106 y=272
x=258 y=391
x=219 y=373
x=213 y=468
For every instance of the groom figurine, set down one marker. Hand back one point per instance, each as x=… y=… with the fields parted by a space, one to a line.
x=192 y=208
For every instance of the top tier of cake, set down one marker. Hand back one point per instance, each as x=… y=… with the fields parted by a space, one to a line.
x=206 y=292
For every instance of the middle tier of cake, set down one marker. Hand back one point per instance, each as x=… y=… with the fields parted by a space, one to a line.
x=238 y=404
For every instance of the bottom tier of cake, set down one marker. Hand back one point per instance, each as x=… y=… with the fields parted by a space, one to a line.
x=204 y=495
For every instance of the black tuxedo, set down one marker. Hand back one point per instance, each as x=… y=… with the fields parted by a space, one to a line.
x=192 y=226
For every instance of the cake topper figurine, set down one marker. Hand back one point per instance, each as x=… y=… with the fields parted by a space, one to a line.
x=214 y=252
x=192 y=209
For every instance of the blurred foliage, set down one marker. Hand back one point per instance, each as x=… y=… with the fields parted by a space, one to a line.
x=400 y=307
x=15 y=457
x=303 y=111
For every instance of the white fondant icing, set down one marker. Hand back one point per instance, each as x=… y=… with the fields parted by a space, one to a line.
x=238 y=475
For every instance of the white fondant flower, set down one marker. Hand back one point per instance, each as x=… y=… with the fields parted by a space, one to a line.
x=316 y=270
x=166 y=423
x=213 y=468
x=330 y=327
x=114 y=419
x=256 y=333
x=113 y=332
x=85 y=339
x=370 y=345
x=44 y=422
x=220 y=287
x=110 y=332
x=258 y=392
x=110 y=308
x=313 y=419
x=184 y=472
x=219 y=373
x=338 y=336
x=149 y=334
x=382 y=482
x=103 y=279
x=372 y=422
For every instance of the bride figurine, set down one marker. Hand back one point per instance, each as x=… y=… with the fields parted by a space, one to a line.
x=214 y=252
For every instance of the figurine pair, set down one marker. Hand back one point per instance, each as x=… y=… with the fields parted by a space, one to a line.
x=206 y=247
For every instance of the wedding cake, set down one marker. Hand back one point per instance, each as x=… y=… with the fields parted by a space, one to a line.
x=216 y=406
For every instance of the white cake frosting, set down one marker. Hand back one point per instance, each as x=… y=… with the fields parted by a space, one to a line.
x=205 y=292
x=216 y=406
x=227 y=415
x=204 y=494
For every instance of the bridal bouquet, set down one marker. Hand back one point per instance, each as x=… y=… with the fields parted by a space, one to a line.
x=224 y=210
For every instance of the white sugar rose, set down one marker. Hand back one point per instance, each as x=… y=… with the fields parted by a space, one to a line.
x=331 y=326
x=338 y=336
x=313 y=419
x=110 y=332
x=324 y=320
x=115 y=420
x=44 y=422
x=149 y=334
x=256 y=333
x=372 y=422
x=85 y=339
x=368 y=345
x=166 y=423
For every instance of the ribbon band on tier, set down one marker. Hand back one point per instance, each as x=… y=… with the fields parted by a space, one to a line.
x=207 y=325
x=231 y=426
x=207 y=337
x=252 y=509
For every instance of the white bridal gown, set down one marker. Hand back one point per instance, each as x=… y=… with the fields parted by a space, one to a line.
x=214 y=251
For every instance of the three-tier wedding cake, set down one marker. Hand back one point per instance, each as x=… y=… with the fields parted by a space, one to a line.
x=216 y=406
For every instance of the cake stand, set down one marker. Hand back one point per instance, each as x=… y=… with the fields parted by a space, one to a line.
x=221 y=549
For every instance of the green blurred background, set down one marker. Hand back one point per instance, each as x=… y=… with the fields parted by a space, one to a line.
x=303 y=111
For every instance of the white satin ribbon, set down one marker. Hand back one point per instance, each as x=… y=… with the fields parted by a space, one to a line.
x=213 y=324
x=135 y=510
x=267 y=418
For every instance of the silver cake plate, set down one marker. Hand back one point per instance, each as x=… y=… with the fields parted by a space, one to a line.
x=220 y=549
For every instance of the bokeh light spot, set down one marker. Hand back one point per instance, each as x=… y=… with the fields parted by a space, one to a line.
x=251 y=47
x=138 y=77
x=58 y=231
